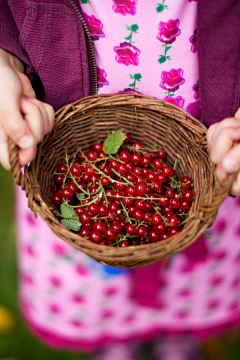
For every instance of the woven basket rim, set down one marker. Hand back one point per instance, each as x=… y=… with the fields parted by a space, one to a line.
x=135 y=100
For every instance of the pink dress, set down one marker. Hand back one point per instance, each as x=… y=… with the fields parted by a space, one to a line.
x=71 y=301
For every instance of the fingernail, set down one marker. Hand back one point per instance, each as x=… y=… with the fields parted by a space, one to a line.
x=26 y=142
x=229 y=165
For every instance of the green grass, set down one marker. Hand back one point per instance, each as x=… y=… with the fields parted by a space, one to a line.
x=19 y=344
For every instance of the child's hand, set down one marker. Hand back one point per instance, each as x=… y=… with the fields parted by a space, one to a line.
x=23 y=118
x=223 y=149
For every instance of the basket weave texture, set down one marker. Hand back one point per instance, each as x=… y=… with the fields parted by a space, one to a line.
x=152 y=121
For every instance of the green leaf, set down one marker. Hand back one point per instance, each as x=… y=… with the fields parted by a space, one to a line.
x=85 y=1
x=162 y=59
x=160 y=8
x=67 y=210
x=80 y=196
x=171 y=94
x=137 y=77
x=72 y=224
x=168 y=48
x=168 y=57
x=166 y=7
x=128 y=28
x=113 y=142
x=128 y=37
x=131 y=84
x=134 y=28
x=131 y=76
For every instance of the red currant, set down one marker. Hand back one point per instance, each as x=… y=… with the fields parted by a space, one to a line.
x=57 y=197
x=98 y=147
x=62 y=169
x=130 y=229
x=124 y=156
x=158 y=164
x=76 y=169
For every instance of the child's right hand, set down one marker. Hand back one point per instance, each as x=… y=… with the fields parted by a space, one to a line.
x=23 y=118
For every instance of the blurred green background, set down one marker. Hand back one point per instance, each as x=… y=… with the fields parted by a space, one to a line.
x=16 y=342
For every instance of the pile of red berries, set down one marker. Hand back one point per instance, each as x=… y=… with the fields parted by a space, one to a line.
x=130 y=198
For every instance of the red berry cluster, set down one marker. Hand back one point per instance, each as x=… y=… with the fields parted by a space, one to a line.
x=128 y=199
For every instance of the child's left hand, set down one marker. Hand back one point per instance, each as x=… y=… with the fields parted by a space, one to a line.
x=223 y=149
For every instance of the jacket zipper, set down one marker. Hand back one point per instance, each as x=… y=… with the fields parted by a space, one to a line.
x=91 y=55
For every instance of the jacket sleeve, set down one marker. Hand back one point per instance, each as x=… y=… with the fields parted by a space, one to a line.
x=9 y=35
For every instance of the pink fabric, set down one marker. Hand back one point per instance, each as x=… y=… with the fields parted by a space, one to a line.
x=68 y=296
x=59 y=343
x=146 y=283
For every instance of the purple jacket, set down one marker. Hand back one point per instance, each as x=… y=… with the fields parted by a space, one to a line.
x=50 y=38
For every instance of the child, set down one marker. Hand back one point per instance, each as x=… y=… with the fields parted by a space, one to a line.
x=139 y=46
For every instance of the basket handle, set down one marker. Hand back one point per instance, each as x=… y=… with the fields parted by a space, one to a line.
x=16 y=168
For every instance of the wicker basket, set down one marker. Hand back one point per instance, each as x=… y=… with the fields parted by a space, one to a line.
x=151 y=121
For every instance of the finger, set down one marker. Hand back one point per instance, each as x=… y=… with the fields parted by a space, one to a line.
x=13 y=122
x=4 y=154
x=222 y=142
x=39 y=116
x=217 y=127
x=237 y=113
x=51 y=118
x=220 y=172
x=231 y=161
x=26 y=156
x=235 y=189
x=26 y=84
x=35 y=116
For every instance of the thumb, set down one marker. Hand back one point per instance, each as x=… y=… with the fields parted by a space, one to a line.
x=237 y=113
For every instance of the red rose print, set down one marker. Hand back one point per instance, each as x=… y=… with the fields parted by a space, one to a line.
x=54 y=308
x=101 y=76
x=125 y=7
x=220 y=225
x=185 y=292
x=194 y=109
x=220 y=255
x=129 y=318
x=129 y=91
x=110 y=291
x=216 y=280
x=31 y=219
x=30 y=250
x=182 y=314
x=171 y=80
x=196 y=91
x=27 y=279
x=76 y=323
x=179 y=101
x=59 y=249
x=78 y=298
x=127 y=54
x=81 y=270
x=94 y=26
x=168 y=31
x=55 y=281
x=213 y=304
x=193 y=41
x=106 y=314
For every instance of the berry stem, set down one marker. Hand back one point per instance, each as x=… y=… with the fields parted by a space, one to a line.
x=122 y=177
x=101 y=172
x=72 y=177
x=186 y=220
x=126 y=213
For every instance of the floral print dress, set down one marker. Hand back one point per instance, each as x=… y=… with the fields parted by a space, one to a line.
x=71 y=301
